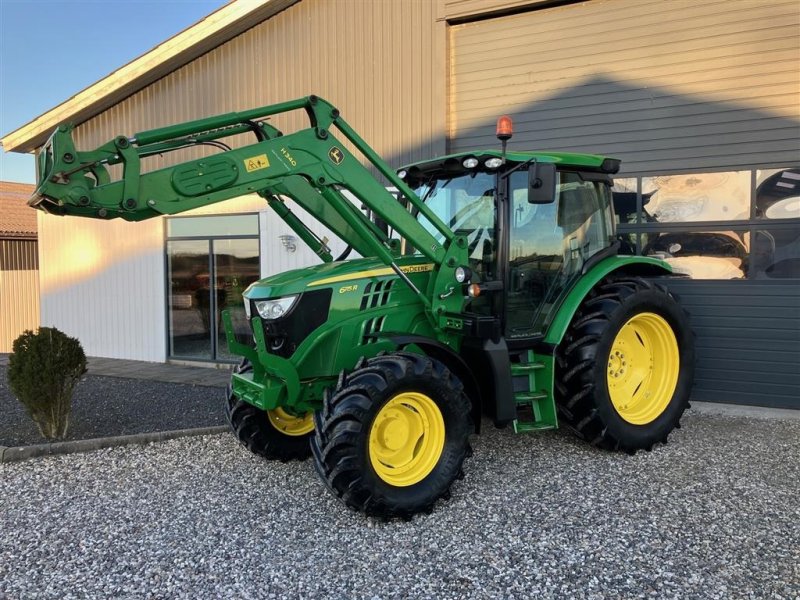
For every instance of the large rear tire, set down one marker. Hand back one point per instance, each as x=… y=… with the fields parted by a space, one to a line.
x=625 y=368
x=392 y=435
x=275 y=434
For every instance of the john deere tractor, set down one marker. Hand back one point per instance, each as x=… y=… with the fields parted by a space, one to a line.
x=488 y=284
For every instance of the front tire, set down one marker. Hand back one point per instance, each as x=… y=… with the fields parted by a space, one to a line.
x=626 y=365
x=274 y=434
x=392 y=436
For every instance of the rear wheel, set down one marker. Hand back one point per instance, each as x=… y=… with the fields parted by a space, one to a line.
x=274 y=434
x=625 y=366
x=393 y=434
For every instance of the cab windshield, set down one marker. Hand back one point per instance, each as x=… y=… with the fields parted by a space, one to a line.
x=466 y=205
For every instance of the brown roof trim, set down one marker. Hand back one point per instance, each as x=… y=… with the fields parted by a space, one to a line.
x=217 y=28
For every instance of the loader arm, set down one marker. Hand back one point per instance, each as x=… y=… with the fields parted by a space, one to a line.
x=311 y=166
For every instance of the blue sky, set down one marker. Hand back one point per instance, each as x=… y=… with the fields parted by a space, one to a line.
x=52 y=49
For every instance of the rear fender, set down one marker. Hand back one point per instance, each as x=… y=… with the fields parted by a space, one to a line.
x=641 y=266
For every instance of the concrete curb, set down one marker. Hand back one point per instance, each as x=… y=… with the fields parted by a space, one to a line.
x=744 y=410
x=18 y=453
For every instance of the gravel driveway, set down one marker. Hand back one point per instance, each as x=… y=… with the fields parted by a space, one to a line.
x=712 y=515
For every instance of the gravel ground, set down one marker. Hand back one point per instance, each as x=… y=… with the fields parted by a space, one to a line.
x=108 y=406
x=712 y=515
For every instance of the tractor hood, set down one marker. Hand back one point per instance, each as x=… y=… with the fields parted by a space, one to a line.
x=335 y=274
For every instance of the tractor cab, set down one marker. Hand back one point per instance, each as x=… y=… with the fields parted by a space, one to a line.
x=532 y=222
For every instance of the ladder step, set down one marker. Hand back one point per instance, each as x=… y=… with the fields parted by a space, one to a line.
x=525 y=368
x=528 y=397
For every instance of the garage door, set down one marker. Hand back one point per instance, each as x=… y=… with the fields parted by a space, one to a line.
x=662 y=85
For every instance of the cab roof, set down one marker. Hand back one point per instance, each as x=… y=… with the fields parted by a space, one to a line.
x=454 y=162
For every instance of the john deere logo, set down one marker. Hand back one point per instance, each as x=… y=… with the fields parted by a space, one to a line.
x=336 y=155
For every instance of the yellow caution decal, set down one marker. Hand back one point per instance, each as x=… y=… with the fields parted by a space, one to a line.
x=256 y=162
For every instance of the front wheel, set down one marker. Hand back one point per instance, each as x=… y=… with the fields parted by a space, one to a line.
x=392 y=436
x=272 y=434
x=626 y=365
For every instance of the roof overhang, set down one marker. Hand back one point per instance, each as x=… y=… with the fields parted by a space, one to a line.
x=205 y=35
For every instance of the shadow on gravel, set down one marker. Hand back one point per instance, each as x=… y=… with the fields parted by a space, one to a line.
x=110 y=406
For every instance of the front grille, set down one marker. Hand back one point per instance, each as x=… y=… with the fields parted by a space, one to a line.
x=284 y=335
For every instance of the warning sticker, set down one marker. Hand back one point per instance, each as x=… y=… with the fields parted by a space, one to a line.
x=256 y=162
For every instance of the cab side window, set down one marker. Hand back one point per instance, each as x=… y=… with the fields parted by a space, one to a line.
x=549 y=243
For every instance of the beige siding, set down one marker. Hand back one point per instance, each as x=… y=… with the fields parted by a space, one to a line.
x=19 y=290
x=662 y=85
x=381 y=63
x=464 y=9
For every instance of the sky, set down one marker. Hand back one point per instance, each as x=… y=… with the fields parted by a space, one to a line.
x=52 y=49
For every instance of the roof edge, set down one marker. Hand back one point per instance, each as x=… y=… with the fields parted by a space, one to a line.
x=217 y=28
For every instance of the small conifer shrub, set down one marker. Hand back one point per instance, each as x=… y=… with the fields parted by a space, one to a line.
x=42 y=372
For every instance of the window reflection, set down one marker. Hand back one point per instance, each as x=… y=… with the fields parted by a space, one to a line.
x=778 y=193
x=623 y=193
x=702 y=255
x=696 y=197
x=776 y=254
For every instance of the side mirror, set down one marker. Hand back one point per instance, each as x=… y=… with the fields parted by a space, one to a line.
x=541 y=183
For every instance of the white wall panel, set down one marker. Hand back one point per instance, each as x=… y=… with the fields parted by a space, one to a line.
x=103 y=282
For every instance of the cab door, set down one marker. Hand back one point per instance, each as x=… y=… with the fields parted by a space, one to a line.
x=548 y=244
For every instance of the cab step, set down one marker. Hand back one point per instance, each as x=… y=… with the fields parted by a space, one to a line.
x=518 y=369
x=535 y=407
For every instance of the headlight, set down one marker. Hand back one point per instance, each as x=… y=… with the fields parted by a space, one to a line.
x=470 y=163
x=463 y=274
x=493 y=163
x=247 y=308
x=275 y=309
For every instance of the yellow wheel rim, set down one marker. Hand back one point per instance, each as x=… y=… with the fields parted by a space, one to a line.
x=643 y=368
x=406 y=439
x=289 y=424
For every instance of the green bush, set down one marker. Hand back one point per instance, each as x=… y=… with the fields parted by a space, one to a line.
x=42 y=372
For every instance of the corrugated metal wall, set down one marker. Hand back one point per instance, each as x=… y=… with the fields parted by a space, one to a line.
x=748 y=340
x=677 y=85
x=383 y=65
x=19 y=290
x=461 y=9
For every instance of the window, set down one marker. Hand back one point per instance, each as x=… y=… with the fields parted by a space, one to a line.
x=549 y=244
x=778 y=194
x=210 y=262
x=776 y=254
x=466 y=204
x=701 y=254
x=696 y=197
x=713 y=225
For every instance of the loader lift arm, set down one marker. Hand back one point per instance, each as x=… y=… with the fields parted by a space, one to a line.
x=311 y=166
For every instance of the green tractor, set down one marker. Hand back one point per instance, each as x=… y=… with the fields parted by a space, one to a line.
x=489 y=284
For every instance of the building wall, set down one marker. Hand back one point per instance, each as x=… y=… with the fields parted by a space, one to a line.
x=382 y=65
x=701 y=101
x=675 y=85
x=19 y=290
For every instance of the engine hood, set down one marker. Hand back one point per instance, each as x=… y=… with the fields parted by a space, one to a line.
x=335 y=274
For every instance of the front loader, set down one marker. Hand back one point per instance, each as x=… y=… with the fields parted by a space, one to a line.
x=490 y=284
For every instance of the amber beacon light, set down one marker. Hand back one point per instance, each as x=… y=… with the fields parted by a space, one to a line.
x=505 y=129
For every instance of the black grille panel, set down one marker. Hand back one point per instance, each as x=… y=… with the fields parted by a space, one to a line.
x=309 y=312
